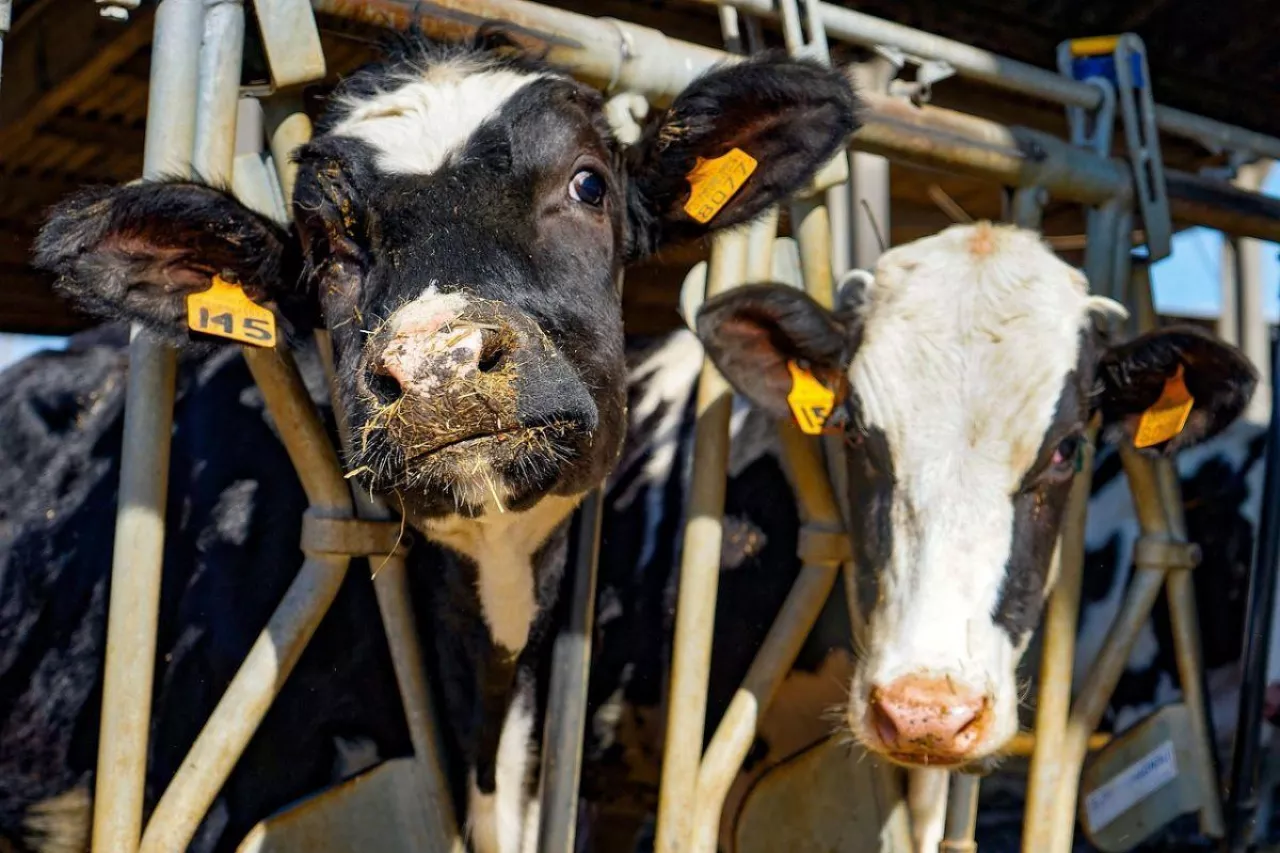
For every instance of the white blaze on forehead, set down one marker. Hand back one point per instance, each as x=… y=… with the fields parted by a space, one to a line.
x=422 y=118
x=968 y=337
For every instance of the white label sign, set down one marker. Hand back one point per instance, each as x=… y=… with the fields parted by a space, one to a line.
x=1138 y=781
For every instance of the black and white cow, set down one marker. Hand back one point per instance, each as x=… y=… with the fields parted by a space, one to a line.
x=461 y=220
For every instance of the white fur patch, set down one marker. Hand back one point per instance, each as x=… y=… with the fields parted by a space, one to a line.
x=969 y=336
x=423 y=118
x=500 y=822
x=502 y=545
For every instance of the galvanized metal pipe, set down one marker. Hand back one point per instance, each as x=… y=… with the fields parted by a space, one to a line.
x=1251 y=296
x=276 y=650
x=6 y=14
x=737 y=730
x=567 y=696
x=1057 y=657
x=1091 y=701
x=288 y=128
x=1010 y=74
x=144 y=467
x=623 y=56
x=221 y=55
x=699 y=578
x=962 y=815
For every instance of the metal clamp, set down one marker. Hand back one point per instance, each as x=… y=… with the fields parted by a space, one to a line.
x=1163 y=553
x=1122 y=62
x=352 y=537
x=823 y=544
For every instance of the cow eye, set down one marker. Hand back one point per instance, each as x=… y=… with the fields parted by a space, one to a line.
x=1067 y=453
x=588 y=187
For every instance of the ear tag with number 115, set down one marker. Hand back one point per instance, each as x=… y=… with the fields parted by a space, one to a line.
x=225 y=311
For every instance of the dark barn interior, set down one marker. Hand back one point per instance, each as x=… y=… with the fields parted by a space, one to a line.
x=73 y=104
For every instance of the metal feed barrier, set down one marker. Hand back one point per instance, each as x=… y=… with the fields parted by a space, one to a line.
x=192 y=115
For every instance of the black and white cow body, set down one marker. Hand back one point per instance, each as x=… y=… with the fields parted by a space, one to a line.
x=461 y=220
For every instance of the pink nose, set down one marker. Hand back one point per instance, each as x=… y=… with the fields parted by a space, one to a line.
x=925 y=720
x=428 y=351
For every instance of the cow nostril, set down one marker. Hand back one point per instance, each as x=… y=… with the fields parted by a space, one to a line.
x=384 y=386
x=883 y=723
x=494 y=349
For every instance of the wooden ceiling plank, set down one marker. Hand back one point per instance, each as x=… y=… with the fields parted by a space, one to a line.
x=87 y=49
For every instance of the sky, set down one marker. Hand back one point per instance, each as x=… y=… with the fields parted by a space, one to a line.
x=1186 y=283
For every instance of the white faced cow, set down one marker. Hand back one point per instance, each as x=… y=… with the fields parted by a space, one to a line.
x=969 y=364
x=460 y=223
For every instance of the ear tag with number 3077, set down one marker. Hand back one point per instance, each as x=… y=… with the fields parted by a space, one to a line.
x=225 y=311
x=713 y=182
x=811 y=402
x=1167 y=415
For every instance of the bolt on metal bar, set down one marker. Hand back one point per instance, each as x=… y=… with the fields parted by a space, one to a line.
x=699 y=578
x=1010 y=74
x=144 y=466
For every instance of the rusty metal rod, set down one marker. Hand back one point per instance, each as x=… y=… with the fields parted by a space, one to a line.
x=144 y=472
x=699 y=578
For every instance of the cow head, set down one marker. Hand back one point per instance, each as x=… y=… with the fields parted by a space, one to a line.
x=970 y=365
x=461 y=219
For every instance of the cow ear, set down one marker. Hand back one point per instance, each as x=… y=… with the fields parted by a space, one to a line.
x=752 y=332
x=1134 y=376
x=135 y=252
x=788 y=116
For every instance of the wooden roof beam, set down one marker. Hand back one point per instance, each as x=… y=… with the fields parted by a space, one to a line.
x=55 y=54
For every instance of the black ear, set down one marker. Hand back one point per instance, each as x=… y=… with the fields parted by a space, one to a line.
x=135 y=252
x=752 y=332
x=1132 y=376
x=791 y=116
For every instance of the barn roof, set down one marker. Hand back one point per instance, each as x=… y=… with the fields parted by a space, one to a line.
x=73 y=105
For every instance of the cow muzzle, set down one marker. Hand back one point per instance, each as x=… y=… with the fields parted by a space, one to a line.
x=921 y=720
x=474 y=378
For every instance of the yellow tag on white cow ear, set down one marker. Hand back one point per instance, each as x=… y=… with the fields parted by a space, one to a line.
x=225 y=311
x=1168 y=415
x=713 y=182
x=811 y=402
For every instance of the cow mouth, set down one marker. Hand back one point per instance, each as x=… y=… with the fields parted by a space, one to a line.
x=547 y=439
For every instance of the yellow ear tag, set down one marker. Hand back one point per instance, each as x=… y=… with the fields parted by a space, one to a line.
x=713 y=182
x=1168 y=415
x=225 y=311
x=811 y=402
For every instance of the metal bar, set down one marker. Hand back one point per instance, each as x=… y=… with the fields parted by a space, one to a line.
x=221 y=54
x=1011 y=75
x=1242 y=803
x=625 y=56
x=1057 y=657
x=567 y=699
x=699 y=578
x=148 y=426
x=1255 y=330
x=391 y=586
x=1091 y=701
x=288 y=128
x=737 y=730
x=962 y=815
x=276 y=650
